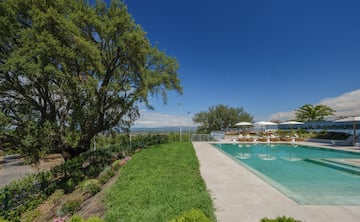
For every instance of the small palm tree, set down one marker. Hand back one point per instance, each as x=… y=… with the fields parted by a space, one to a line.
x=309 y=112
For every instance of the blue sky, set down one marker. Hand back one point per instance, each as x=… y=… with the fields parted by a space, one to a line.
x=268 y=56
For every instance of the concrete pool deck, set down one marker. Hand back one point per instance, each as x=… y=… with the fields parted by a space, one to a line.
x=239 y=195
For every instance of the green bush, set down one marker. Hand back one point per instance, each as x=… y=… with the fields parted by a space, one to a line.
x=77 y=218
x=71 y=206
x=69 y=185
x=93 y=171
x=105 y=175
x=116 y=165
x=94 y=219
x=193 y=215
x=3 y=220
x=91 y=187
x=29 y=216
x=280 y=219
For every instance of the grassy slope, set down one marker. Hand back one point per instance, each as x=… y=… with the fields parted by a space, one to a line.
x=159 y=184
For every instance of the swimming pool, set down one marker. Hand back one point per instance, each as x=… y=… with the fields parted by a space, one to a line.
x=308 y=175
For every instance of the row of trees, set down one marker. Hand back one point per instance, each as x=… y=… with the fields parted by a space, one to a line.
x=69 y=70
x=221 y=116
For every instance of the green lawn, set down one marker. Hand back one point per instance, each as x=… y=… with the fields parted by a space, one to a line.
x=159 y=184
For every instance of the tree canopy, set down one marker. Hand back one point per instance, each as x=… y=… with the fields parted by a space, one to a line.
x=70 y=70
x=310 y=112
x=220 y=117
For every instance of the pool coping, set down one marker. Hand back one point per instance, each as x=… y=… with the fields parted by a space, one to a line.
x=238 y=193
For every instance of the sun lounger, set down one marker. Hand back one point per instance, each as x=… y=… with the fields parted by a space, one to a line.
x=357 y=142
x=348 y=142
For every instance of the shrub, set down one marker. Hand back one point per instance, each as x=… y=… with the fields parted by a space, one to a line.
x=71 y=206
x=94 y=219
x=3 y=220
x=193 y=215
x=77 y=218
x=280 y=219
x=91 y=186
x=69 y=185
x=93 y=171
x=116 y=165
x=105 y=175
x=29 y=216
x=56 y=196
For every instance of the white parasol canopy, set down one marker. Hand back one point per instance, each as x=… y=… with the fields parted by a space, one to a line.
x=291 y=123
x=265 y=123
x=352 y=119
x=243 y=124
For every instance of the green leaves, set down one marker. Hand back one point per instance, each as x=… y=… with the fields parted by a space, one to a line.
x=82 y=68
x=310 y=112
x=219 y=117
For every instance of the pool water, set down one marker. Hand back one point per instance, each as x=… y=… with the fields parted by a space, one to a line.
x=305 y=174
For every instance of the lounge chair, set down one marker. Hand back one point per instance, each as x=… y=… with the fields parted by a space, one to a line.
x=285 y=139
x=348 y=142
x=357 y=141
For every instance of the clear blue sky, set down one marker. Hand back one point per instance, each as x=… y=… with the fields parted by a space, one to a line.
x=267 y=56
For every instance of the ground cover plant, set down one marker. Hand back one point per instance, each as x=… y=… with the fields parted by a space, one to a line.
x=159 y=184
x=280 y=219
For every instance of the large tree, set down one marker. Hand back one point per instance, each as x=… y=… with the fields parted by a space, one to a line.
x=220 y=117
x=70 y=70
x=310 y=112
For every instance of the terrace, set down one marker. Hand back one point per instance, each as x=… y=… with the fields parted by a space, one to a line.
x=239 y=194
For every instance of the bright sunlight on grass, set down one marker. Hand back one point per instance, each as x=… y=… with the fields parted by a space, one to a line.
x=159 y=184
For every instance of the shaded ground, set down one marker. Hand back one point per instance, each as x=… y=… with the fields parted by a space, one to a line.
x=13 y=168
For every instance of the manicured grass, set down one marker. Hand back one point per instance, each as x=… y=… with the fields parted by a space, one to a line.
x=159 y=184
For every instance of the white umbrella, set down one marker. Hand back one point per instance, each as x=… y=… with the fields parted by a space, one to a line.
x=265 y=123
x=352 y=119
x=291 y=123
x=243 y=124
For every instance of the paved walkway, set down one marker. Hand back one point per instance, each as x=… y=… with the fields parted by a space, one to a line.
x=13 y=168
x=239 y=195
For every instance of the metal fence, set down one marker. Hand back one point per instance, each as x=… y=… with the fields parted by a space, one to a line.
x=200 y=137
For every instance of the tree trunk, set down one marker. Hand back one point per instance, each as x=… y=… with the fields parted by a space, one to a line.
x=70 y=152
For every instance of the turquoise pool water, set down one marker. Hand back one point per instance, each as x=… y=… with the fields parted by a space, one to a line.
x=308 y=175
